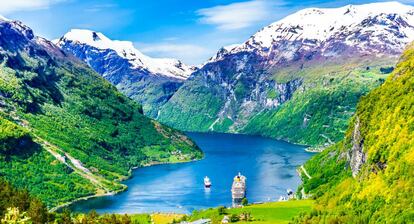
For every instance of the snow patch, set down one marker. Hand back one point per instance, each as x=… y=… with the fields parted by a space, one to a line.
x=161 y=66
x=317 y=25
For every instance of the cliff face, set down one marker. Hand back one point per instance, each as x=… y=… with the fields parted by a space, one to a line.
x=298 y=79
x=369 y=176
x=357 y=157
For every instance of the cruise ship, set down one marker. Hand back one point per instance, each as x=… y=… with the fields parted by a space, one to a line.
x=207 y=182
x=238 y=189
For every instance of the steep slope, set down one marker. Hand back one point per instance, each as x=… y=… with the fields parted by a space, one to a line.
x=298 y=79
x=149 y=81
x=369 y=176
x=65 y=131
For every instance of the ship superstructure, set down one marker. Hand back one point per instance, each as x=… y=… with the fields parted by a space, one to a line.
x=238 y=189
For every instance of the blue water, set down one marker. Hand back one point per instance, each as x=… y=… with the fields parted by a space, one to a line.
x=269 y=165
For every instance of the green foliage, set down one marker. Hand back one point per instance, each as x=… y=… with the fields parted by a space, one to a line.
x=244 y=202
x=234 y=218
x=18 y=203
x=272 y=94
x=13 y=138
x=273 y=212
x=240 y=90
x=221 y=210
x=192 y=108
x=382 y=191
x=319 y=115
x=14 y=216
x=51 y=102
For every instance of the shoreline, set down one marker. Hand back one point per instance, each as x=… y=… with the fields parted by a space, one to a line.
x=307 y=148
x=156 y=163
x=111 y=193
x=56 y=208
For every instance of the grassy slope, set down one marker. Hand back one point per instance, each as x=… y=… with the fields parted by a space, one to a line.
x=328 y=97
x=192 y=108
x=273 y=212
x=328 y=100
x=383 y=190
x=69 y=109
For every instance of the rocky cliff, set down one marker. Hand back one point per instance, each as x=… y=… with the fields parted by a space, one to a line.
x=368 y=177
x=297 y=79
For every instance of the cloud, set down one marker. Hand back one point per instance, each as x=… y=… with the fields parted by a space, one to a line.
x=238 y=15
x=188 y=53
x=10 y=6
x=100 y=7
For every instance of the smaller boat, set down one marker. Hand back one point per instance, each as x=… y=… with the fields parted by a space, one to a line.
x=207 y=182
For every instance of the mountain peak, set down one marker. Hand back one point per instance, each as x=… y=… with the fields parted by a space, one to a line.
x=388 y=23
x=97 y=40
x=3 y=18
x=161 y=66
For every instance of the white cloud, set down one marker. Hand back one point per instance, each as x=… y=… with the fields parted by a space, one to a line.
x=10 y=6
x=238 y=15
x=100 y=7
x=188 y=53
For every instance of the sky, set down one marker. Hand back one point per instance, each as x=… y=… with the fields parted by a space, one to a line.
x=189 y=30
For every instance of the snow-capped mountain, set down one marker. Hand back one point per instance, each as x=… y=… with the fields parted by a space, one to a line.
x=370 y=28
x=317 y=61
x=149 y=81
x=158 y=66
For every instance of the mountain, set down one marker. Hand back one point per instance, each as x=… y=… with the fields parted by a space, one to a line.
x=368 y=177
x=149 y=81
x=298 y=79
x=65 y=132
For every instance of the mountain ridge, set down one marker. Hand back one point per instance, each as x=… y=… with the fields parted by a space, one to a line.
x=158 y=66
x=149 y=81
x=251 y=88
x=69 y=129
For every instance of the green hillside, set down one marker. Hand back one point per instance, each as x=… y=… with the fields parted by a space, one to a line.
x=369 y=176
x=316 y=99
x=319 y=114
x=65 y=131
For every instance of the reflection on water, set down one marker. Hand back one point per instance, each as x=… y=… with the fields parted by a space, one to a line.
x=269 y=165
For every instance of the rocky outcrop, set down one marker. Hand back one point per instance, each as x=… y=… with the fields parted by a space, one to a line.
x=357 y=156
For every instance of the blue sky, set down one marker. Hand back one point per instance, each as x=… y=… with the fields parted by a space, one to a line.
x=190 y=30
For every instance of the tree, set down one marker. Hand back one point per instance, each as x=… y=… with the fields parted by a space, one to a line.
x=234 y=218
x=125 y=219
x=222 y=210
x=244 y=202
x=66 y=217
x=92 y=217
x=38 y=212
x=14 y=216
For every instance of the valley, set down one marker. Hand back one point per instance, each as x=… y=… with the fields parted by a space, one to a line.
x=297 y=79
x=75 y=135
x=315 y=109
x=269 y=165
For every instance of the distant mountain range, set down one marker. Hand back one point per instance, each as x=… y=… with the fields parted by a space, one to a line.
x=67 y=133
x=149 y=81
x=298 y=79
